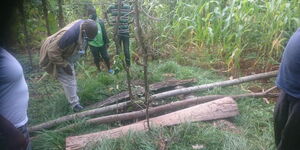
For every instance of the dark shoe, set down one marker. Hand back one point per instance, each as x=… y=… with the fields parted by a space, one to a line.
x=77 y=108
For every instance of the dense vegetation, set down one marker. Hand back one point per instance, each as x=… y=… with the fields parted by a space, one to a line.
x=199 y=32
x=184 y=36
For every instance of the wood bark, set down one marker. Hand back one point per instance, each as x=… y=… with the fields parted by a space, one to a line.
x=140 y=91
x=165 y=108
x=221 y=108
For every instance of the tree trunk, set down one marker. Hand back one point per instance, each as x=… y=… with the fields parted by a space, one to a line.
x=214 y=85
x=45 y=11
x=164 y=108
x=24 y=18
x=60 y=17
x=218 y=109
x=142 y=46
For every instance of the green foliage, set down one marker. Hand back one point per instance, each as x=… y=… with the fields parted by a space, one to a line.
x=225 y=30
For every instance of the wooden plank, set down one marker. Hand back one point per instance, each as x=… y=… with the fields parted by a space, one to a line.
x=218 y=109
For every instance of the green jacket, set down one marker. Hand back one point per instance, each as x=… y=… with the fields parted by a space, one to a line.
x=101 y=38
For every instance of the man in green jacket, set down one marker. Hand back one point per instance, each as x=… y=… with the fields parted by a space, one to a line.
x=101 y=42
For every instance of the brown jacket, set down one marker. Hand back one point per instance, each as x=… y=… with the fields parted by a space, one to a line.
x=52 y=56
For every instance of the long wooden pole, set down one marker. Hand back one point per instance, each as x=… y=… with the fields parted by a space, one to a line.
x=214 y=85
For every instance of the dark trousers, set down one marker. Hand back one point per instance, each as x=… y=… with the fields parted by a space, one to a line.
x=124 y=41
x=97 y=51
x=24 y=131
x=287 y=122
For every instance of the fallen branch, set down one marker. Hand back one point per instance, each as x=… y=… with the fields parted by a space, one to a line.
x=163 y=108
x=221 y=108
x=140 y=91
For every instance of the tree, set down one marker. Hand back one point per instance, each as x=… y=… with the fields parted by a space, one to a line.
x=142 y=46
x=45 y=11
x=60 y=16
x=24 y=23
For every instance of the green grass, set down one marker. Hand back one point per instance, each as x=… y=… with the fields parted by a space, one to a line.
x=48 y=102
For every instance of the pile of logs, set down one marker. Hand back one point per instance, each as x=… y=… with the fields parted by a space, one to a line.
x=192 y=109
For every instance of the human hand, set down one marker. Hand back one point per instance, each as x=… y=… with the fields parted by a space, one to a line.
x=68 y=70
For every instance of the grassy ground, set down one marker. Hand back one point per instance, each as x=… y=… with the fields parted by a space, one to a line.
x=253 y=126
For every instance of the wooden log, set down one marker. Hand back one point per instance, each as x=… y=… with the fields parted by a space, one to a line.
x=123 y=95
x=218 y=109
x=214 y=85
x=191 y=101
x=170 y=84
x=59 y=120
x=140 y=90
x=164 y=108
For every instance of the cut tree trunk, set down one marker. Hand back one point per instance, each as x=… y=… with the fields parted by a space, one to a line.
x=214 y=85
x=140 y=90
x=218 y=109
x=164 y=108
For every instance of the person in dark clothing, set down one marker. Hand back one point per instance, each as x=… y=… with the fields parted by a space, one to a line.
x=123 y=29
x=287 y=109
x=14 y=93
x=100 y=43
